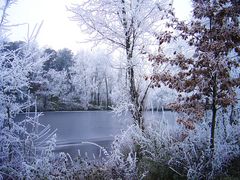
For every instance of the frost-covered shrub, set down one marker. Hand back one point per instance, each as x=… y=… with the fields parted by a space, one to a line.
x=156 y=145
x=21 y=140
x=192 y=157
x=140 y=155
x=123 y=159
x=174 y=152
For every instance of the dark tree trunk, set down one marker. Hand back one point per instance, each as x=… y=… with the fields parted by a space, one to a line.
x=214 y=114
x=98 y=98
x=45 y=102
x=137 y=110
x=8 y=123
x=130 y=37
x=232 y=115
x=213 y=124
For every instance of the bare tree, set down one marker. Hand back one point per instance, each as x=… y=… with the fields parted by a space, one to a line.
x=129 y=25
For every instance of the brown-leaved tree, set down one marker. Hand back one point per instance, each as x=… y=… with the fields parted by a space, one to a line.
x=207 y=81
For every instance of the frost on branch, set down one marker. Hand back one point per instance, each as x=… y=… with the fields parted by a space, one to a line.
x=130 y=26
x=207 y=83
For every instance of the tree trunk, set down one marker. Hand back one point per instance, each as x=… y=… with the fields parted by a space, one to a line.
x=232 y=115
x=8 y=123
x=137 y=109
x=45 y=102
x=213 y=124
x=106 y=85
x=98 y=95
x=214 y=114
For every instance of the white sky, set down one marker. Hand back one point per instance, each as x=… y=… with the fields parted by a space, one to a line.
x=58 y=31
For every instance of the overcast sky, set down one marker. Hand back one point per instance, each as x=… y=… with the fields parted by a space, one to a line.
x=57 y=30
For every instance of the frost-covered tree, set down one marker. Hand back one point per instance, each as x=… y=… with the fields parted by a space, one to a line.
x=85 y=85
x=49 y=63
x=207 y=80
x=128 y=25
x=64 y=59
x=21 y=140
x=92 y=78
x=55 y=83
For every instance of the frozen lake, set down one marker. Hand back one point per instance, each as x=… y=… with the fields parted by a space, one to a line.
x=76 y=128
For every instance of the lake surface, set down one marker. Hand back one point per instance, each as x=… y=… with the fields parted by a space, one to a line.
x=75 y=129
